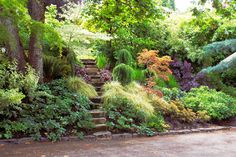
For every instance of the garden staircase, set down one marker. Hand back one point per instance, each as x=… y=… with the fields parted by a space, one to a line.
x=99 y=117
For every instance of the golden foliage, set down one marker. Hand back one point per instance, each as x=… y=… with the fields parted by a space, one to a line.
x=176 y=110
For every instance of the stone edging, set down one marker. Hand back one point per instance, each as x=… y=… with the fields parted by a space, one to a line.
x=109 y=136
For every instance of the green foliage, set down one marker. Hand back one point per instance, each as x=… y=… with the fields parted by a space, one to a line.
x=54 y=111
x=169 y=4
x=132 y=28
x=10 y=97
x=218 y=105
x=122 y=73
x=177 y=112
x=101 y=61
x=55 y=67
x=200 y=29
x=226 y=65
x=76 y=84
x=123 y=56
x=171 y=83
x=226 y=31
x=139 y=75
x=171 y=94
x=128 y=108
x=218 y=51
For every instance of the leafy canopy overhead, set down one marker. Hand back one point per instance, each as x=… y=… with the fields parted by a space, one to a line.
x=110 y=15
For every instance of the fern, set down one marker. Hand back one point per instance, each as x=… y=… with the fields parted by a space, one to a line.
x=55 y=67
x=122 y=73
x=77 y=84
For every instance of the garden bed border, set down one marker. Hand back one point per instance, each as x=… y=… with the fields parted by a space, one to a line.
x=110 y=136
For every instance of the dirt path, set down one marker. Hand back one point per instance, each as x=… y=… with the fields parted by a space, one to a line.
x=217 y=144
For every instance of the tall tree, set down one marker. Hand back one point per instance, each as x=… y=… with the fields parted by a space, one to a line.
x=13 y=42
x=9 y=31
x=36 y=10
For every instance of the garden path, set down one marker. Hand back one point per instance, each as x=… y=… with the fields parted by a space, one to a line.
x=214 y=144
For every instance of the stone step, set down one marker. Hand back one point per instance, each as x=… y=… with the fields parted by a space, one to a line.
x=102 y=134
x=98 y=84
x=96 y=76
x=96 y=106
x=100 y=93
x=96 y=100
x=101 y=120
x=88 y=60
x=97 y=113
x=90 y=65
x=100 y=127
x=98 y=88
x=90 y=73
x=92 y=70
x=96 y=80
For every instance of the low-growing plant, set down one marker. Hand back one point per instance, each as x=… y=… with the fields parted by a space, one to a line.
x=218 y=105
x=76 y=84
x=54 y=111
x=176 y=111
x=129 y=108
x=106 y=75
x=81 y=72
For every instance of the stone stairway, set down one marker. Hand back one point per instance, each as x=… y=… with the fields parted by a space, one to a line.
x=99 y=116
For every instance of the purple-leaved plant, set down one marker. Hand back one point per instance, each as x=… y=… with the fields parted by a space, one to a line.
x=105 y=75
x=183 y=74
x=81 y=72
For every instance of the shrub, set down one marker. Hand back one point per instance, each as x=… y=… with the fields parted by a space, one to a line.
x=225 y=31
x=218 y=105
x=129 y=108
x=122 y=73
x=155 y=64
x=81 y=72
x=139 y=75
x=10 y=97
x=123 y=56
x=76 y=84
x=105 y=75
x=171 y=94
x=176 y=111
x=217 y=51
x=53 y=112
x=183 y=74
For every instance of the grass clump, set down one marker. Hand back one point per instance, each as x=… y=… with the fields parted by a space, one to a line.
x=77 y=84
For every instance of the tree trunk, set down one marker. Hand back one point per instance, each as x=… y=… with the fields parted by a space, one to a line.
x=13 y=43
x=36 y=11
